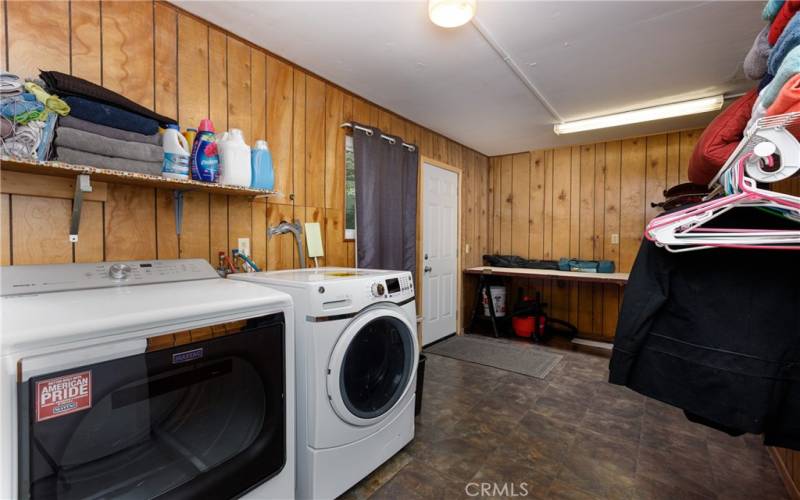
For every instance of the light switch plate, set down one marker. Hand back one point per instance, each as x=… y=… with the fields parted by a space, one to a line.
x=615 y=239
x=466 y=248
x=244 y=246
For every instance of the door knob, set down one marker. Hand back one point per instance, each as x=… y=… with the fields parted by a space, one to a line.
x=428 y=269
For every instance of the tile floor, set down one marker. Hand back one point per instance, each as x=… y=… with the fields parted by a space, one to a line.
x=569 y=436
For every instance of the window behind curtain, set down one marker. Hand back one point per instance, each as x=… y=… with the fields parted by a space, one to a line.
x=349 y=190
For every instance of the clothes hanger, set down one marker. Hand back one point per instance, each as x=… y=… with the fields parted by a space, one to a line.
x=685 y=228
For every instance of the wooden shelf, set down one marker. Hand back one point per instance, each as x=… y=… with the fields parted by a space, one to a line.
x=83 y=176
x=59 y=169
x=546 y=274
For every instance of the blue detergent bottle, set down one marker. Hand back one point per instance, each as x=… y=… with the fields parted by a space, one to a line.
x=261 y=164
x=204 y=161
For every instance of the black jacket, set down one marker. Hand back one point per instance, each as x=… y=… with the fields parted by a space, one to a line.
x=716 y=333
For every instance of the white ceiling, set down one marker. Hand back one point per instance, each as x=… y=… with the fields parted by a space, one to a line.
x=586 y=58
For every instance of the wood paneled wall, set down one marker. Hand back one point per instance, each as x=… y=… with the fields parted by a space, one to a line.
x=568 y=202
x=179 y=65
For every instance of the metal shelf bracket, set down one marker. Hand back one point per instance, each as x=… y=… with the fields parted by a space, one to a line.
x=177 y=197
x=82 y=185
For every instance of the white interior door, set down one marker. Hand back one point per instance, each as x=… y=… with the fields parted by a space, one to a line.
x=439 y=252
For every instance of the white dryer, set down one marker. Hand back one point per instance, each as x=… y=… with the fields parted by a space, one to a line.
x=357 y=352
x=144 y=379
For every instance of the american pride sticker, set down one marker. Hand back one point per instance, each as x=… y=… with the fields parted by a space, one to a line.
x=63 y=395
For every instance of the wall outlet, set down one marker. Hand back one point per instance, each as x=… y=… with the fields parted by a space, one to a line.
x=244 y=246
x=615 y=239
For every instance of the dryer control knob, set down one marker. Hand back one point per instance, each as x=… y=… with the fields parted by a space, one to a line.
x=378 y=290
x=119 y=271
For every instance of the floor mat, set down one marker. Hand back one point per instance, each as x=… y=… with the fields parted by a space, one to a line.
x=524 y=359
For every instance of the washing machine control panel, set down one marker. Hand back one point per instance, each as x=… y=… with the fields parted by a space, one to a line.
x=23 y=280
x=393 y=287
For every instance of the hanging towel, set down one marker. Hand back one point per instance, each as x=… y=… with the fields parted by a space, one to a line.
x=790 y=67
x=788 y=99
x=771 y=9
x=755 y=63
x=112 y=133
x=76 y=157
x=782 y=19
x=110 y=116
x=51 y=102
x=92 y=143
x=71 y=85
x=789 y=39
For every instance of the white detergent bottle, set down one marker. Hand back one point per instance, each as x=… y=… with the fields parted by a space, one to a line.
x=176 y=154
x=234 y=159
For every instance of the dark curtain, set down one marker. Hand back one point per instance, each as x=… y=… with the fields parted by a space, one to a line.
x=386 y=202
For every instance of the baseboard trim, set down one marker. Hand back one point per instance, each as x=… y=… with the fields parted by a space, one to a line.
x=423 y=347
x=786 y=476
x=593 y=343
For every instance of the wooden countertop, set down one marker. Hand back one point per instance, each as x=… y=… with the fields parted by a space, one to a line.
x=547 y=274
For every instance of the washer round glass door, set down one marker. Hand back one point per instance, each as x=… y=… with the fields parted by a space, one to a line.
x=373 y=365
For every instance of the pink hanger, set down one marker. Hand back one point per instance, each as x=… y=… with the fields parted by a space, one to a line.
x=748 y=191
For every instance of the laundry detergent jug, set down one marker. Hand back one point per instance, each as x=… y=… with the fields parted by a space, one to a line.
x=176 y=154
x=204 y=161
x=234 y=159
x=262 y=171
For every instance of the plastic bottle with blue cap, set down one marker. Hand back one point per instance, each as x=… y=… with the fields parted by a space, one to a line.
x=176 y=154
x=263 y=174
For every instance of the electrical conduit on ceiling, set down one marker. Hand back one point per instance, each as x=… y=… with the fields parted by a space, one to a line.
x=495 y=45
x=506 y=57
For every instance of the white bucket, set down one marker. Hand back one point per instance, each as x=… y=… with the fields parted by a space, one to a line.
x=499 y=299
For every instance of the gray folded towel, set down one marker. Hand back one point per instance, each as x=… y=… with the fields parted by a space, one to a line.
x=92 y=143
x=75 y=157
x=755 y=63
x=113 y=133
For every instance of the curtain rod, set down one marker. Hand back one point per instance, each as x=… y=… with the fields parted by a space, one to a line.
x=369 y=131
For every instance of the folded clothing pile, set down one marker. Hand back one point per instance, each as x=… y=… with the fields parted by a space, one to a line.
x=105 y=129
x=27 y=118
x=774 y=61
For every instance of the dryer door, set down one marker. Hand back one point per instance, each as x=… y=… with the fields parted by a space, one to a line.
x=373 y=365
x=206 y=419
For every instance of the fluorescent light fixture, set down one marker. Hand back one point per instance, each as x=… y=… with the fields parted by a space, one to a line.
x=642 y=115
x=451 y=13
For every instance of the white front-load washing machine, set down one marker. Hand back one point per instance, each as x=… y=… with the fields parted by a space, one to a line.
x=145 y=379
x=356 y=360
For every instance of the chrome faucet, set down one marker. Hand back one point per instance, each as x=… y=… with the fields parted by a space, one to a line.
x=297 y=230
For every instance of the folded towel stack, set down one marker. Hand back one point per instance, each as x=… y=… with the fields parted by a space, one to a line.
x=105 y=129
x=27 y=118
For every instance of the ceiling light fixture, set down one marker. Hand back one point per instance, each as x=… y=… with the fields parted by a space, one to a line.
x=682 y=108
x=451 y=13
